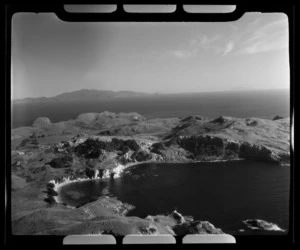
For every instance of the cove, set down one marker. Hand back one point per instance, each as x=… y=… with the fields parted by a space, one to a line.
x=223 y=193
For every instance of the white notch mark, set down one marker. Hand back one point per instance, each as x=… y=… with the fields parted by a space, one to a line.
x=209 y=8
x=149 y=8
x=93 y=239
x=149 y=239
x=90 y=8
x=208 y=238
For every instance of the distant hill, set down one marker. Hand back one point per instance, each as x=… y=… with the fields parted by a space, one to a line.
x=82 y=95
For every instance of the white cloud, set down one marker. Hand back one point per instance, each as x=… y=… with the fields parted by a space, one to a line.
x=228 y=48
x=253 y=38
x=271 y=36
x=181 y=53
x=206 y=42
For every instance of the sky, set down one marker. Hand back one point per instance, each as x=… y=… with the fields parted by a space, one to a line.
x=50 y=56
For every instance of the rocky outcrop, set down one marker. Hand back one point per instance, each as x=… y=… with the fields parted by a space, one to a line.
x=141 y=156
x=251 y=122
x=277 y=117
x=182 y=225
x=177 y=216
x=221 y=119
x=256 y=224
x=151 y=229
x=196 y=227
x=192 y=117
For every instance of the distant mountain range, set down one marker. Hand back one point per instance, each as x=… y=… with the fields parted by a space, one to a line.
x=82 y=95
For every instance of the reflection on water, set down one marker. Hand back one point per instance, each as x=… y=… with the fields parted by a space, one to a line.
x=224 y=193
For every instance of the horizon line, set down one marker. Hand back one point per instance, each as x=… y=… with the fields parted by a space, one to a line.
x=154 y=93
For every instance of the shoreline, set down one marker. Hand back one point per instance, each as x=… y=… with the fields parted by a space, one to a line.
x=117 y=171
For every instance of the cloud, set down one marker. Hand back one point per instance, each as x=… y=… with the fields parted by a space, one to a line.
x=258 y=35
x=228 y=48
x=268 y=37
x=203 y=42
x=216 y=43
x=182 y=53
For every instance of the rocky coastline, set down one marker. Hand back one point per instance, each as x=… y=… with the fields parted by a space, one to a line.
x=40 y=169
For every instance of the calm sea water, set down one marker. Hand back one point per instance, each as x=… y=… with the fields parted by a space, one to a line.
x=224 y=193
x=261 y=104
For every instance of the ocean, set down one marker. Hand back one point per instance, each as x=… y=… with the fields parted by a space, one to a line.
x=260 y=104
x=223 y=193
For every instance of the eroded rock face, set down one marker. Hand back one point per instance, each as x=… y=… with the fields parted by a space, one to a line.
x=254 y=152
x=214 y=148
